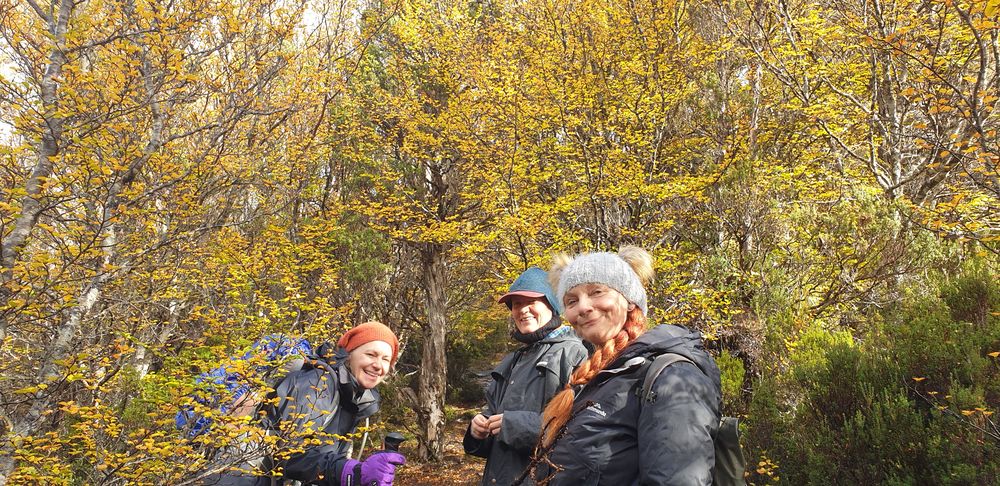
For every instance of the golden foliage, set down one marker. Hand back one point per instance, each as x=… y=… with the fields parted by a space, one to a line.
x=182 y=178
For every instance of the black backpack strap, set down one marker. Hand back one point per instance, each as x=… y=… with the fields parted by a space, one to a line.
x=654 y=370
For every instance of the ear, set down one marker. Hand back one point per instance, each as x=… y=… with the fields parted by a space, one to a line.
x=631 y=307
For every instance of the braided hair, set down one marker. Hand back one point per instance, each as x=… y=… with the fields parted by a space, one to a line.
x=557 y=413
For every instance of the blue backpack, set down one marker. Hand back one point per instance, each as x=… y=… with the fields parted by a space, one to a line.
x=274 y=350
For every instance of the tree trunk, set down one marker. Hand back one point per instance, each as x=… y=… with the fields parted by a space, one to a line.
x=432 y=381
x=63 y=344
x=48 y=147
x=66 y=335
x=31 y=203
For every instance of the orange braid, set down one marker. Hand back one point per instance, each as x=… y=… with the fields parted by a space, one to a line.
x=558 y=410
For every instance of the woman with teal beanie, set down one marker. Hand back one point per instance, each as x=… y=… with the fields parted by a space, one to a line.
x=506 y=432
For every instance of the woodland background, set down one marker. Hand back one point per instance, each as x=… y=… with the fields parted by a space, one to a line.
x=817 y=180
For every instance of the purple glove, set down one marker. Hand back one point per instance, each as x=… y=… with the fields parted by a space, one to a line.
x=378 y=470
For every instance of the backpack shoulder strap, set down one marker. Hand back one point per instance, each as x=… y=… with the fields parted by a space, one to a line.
x=653 y=372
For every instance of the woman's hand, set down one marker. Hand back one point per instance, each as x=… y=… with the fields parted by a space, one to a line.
x=480 y=427
x=483 y=427
x=494 y=423
x=378 y=470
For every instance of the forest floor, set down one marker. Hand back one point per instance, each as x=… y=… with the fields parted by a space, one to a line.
x=457 y=469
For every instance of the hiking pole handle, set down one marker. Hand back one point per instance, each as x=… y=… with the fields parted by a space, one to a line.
x=392 y=441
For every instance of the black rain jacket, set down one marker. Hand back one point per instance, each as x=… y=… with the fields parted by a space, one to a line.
x=617 y=438
x=321 y=400
x=522 y=384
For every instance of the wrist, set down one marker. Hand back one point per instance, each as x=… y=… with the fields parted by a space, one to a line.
x=349 y=473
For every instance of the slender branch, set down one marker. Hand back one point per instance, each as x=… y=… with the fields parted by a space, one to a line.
x=38 y=10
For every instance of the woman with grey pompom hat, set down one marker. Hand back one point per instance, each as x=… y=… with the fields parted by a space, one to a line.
x=601 y=430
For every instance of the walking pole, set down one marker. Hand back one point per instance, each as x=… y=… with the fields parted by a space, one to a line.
x=364 y=439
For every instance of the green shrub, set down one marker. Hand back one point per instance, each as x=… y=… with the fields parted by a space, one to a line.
x=732 y=379
x=908 y=402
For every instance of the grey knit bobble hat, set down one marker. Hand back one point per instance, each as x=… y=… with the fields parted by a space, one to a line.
x=603 y=268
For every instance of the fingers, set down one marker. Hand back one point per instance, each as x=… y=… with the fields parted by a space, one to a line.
x=483 y=427
x=389 y=456
x=395 y=458
x=480 y=427
x=495 y=421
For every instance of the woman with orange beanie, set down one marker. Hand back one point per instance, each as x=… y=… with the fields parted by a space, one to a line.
x=315 y=407
x=599 y=430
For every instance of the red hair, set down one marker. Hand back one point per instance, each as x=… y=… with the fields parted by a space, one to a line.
x=557 y=412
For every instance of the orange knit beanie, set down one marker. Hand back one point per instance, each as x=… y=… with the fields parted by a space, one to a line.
x=368 y=332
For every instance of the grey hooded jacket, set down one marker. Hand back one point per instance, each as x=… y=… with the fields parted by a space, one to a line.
x=319 y=401
x=522 y=384
x=614 y=437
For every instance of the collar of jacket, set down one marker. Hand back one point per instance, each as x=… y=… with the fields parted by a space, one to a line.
x=363 y=402
x=561 y=333
x=656 y=341
x=622 y=368
x=663 y=339
x=613 y=370
x=537 y=334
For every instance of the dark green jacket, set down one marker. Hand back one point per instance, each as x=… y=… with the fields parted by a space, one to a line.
x=521 y=385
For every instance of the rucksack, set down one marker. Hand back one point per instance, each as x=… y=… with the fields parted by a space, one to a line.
x=730 y=464
x=280 y=354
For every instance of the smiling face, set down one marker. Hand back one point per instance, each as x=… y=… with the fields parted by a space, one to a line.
x=529 y=313
x=596 y=311
x=370 y=363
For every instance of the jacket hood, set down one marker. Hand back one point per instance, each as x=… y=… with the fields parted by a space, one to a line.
x=330 y=353
x=669 y=338
x=362 y=402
